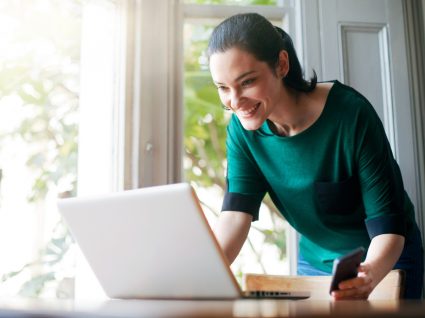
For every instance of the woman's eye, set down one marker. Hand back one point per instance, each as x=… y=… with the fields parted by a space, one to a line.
x=248 y=82
x=221 y=88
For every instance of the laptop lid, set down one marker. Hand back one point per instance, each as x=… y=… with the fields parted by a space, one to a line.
x=150 y=243
x=154 y=243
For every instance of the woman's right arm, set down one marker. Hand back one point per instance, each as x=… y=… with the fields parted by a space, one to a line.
x=231 y=231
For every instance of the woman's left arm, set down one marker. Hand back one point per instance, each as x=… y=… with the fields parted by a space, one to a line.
x=383 y=253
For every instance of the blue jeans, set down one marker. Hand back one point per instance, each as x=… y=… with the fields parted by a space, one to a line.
x=411 y=261
x=305 y=269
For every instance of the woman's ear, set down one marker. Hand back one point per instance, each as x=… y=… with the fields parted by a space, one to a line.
x=283 y=66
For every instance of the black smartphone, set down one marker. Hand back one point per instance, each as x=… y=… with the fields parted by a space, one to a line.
x=345 y=267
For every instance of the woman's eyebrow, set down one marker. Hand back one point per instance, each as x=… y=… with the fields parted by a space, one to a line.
x=239 y=77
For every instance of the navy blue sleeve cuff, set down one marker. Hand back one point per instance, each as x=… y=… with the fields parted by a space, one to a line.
x=387 y=224
x=248 y=203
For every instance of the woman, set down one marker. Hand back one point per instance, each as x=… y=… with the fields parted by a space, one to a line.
x=319 y=150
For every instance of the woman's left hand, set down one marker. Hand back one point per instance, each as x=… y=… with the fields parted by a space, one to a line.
x=384 y=251
x=356 y=288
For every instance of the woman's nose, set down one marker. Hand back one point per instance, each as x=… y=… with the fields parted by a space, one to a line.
x=235 y=99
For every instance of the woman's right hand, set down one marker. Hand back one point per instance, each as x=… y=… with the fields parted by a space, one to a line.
x=231 y=231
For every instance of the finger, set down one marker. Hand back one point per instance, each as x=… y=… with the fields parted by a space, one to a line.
x=363 y=268
x=361 y=291
x=351 y=297
x=355 y=293
x=357 y=282
x=363 y=296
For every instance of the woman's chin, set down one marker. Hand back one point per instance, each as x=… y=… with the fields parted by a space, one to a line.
x=250 y=125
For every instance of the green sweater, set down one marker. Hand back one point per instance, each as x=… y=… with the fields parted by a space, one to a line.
x=336 y=182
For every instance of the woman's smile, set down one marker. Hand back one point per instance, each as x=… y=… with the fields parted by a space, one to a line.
x=250 y=112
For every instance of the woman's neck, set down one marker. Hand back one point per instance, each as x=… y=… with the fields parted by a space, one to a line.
x=298 y=110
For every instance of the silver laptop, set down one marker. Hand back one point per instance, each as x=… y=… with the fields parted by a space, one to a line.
x=154 y=243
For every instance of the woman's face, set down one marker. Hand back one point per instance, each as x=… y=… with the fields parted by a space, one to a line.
x=246 y=85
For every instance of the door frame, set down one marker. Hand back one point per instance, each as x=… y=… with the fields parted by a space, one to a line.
x=414 y=23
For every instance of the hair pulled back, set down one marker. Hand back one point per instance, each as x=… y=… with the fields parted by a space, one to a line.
x=254 y=34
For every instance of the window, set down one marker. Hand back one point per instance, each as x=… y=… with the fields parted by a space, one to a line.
x=205 y=132
x=57 y=100
x=39 y=98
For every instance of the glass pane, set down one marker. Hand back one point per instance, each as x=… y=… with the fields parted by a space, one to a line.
x=39 y=95
x=205 y=160
x=235 y=2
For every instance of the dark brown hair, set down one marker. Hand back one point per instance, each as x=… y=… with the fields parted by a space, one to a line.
x=254 y=34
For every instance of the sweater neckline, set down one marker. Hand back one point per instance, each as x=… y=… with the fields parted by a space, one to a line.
x=266 y=130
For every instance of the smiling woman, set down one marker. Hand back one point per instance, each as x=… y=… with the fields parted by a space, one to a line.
x=320 y=151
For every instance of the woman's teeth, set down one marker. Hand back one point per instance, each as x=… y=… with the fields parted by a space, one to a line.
x=251 y=110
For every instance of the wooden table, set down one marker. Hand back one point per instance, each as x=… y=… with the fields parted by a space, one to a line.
x=17 y=307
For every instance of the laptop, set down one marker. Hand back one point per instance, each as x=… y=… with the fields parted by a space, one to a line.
x=154 y=243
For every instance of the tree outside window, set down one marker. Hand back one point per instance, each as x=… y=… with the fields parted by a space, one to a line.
x=39 y=96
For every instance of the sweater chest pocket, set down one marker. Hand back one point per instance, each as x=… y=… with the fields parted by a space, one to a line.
x=341 y=197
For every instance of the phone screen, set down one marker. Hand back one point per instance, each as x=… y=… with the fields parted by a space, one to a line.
x=346 y=267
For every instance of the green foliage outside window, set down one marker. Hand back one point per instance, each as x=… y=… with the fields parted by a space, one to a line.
x=39 y=79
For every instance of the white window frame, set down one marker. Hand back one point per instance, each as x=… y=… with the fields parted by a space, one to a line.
x=150 y=134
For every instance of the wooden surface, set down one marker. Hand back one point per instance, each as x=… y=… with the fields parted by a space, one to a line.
x=188 y=309
x=390 y=288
